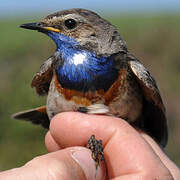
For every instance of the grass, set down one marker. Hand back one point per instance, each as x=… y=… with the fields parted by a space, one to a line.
x=153 y=38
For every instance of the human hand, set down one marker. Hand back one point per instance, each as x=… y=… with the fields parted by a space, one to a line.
x=129 y=154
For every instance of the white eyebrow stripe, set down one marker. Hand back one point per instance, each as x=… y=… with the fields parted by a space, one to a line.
x=68 y=16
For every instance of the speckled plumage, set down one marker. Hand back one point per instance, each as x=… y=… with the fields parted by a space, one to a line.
x=92 y=71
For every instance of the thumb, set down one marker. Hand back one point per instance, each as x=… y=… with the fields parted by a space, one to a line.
x=70 y=163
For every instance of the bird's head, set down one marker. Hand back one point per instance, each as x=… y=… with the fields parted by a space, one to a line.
x=83 y=28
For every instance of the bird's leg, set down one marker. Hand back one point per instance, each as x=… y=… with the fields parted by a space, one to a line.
x=97 y=150
x=93 y=144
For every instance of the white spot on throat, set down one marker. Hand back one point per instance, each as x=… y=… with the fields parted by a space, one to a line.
x=79 y=58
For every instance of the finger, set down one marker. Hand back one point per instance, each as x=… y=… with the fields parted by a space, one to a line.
x=125 y=150
x=164 y=158
x=72 y=163
x=50 y=143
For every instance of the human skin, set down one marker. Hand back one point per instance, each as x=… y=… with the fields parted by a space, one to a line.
x=129 y=153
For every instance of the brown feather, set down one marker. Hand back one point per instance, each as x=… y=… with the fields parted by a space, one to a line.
x=36 y=116
x=43 y=77
x=155 y=122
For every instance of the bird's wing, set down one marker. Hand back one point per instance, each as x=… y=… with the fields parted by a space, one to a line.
x=36 y=116
x=155 y=121
x=43 y=77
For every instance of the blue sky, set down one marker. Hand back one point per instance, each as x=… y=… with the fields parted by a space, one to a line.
x=29 y=7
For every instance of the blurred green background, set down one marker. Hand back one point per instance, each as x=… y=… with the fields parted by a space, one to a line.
x=152 y=37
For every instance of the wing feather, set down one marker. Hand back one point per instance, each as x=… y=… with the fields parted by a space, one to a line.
x=36 y=116
x=43 y=77
x=155 y=121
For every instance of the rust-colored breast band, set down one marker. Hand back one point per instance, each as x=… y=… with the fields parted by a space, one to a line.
x=77 y=96
x=92 y=97
x=117 y=88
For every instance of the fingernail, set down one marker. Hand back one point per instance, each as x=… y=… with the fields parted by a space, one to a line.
x=84 y=159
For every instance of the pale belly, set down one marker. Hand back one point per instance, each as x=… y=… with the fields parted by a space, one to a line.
x=57 y=103
x=127 y=103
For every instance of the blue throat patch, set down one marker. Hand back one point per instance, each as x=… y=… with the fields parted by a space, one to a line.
x=80 y=69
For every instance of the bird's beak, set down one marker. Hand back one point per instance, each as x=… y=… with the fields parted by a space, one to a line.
x=39 y=27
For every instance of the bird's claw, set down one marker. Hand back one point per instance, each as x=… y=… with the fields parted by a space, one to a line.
x=97 y=150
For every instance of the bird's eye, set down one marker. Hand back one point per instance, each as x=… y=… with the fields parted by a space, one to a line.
x=70 y=23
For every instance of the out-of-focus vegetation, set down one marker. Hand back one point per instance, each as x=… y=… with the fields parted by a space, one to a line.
x=154 y=39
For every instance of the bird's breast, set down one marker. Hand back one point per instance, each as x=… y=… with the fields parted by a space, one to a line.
x=63 y=99
x=82 y=70
x=123 y=98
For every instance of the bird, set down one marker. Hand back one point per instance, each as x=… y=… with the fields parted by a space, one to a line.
x=92 y=72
